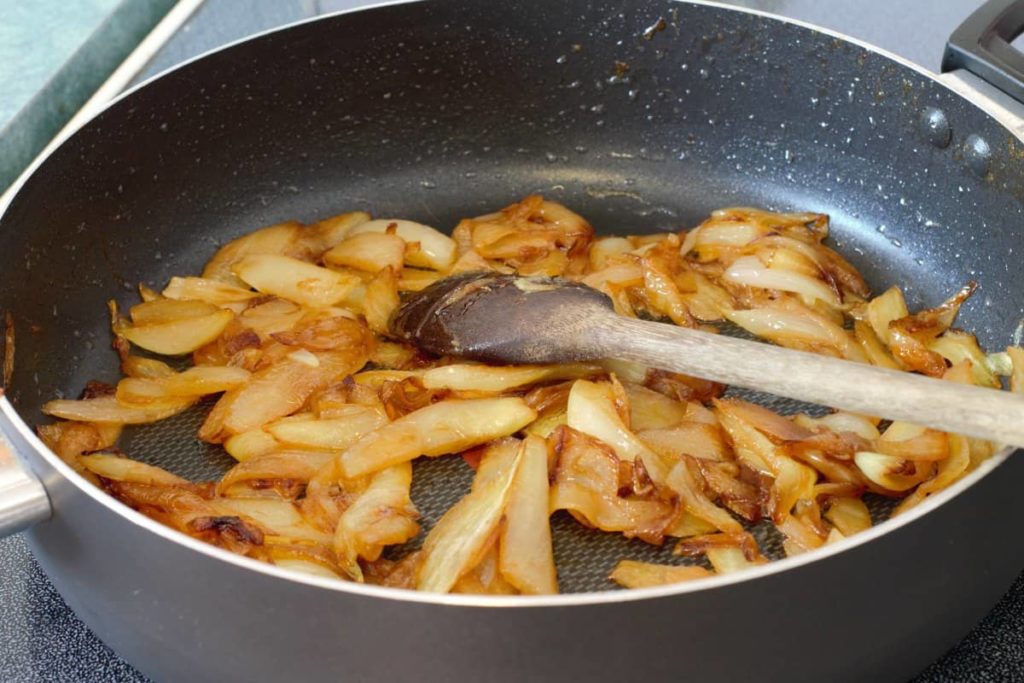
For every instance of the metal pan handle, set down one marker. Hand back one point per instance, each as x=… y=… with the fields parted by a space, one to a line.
x=23 y=500
x=981 y=45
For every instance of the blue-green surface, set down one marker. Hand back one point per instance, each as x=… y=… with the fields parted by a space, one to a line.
x=53 y=56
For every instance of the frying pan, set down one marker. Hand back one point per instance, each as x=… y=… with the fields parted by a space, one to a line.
x=641 y=116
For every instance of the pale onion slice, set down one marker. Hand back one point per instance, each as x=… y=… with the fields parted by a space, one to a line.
x=437 y=429
x=375 y=379
x=272 y=317
x=633 y=574
x=849 y=515
x=282 y=239
x=276 y=516
x=709 y=301
x=177 y=337
x=120 y=468
x=876 y=352
x=947 y=472
x=649 y=409
x=305 y=567
x=251 y=444
x=728 y=560
x=380 y=300
x=484 y=578
x=1016 y=354
x=840 y=422
x=208 y=290
x=325 y=234
x=391 y=355
x=750 y=271
x=956 y=346
x=301 y=556
x=276 y=391
x=382 y=515
x=496 y=459
x=591 y=410
x=545 y=424
x=1000 y=363
x=368 y=251
x=603 y=250
x=134 y=391
x=300 y=466
x=336 y=433
x=887 y=470
x=800 y=536
x=472 y=261
x=415 y=279
x=295 y=280
x=484 y=378
x=200 y=381
x=834 y=536
x=686 y=525
x=107 y=409
x=146 y=368
x=720 y=234
x=698 y=439
x=913 y=442
x=618 y=274
x=790 y=324
x=147 y=294
x=525 y=556
x=627 y=371
x=168 y=310
x=660 y=290
x=459 y=539
x=436 y=250
x=884 y=309
x=693 y=500
x=793 y=480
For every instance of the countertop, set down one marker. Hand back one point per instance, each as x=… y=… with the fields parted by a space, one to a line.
x=53 y=55
x=42 y=640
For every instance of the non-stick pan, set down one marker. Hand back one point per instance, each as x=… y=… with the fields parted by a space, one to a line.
x=641 y=116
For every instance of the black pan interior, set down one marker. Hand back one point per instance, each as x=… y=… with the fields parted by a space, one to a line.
x=640 y=116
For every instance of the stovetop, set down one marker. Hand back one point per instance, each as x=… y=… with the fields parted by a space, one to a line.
x=42 y=640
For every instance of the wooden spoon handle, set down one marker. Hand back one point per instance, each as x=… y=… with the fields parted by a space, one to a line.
x=869 y=390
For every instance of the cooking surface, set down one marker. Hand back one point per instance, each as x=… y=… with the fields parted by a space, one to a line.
x=41 y=640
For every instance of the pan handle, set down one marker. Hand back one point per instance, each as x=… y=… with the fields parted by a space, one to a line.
x=23 y=500
x=981 y=45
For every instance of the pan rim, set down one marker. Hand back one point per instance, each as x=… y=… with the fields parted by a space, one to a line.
x=11 y=420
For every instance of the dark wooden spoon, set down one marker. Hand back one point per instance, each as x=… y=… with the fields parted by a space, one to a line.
x=517 y=320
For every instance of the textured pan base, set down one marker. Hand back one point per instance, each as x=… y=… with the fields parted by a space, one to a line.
x=584 y=557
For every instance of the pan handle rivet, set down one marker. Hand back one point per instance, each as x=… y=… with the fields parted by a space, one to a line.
x=935 y=128
x=977 y=153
